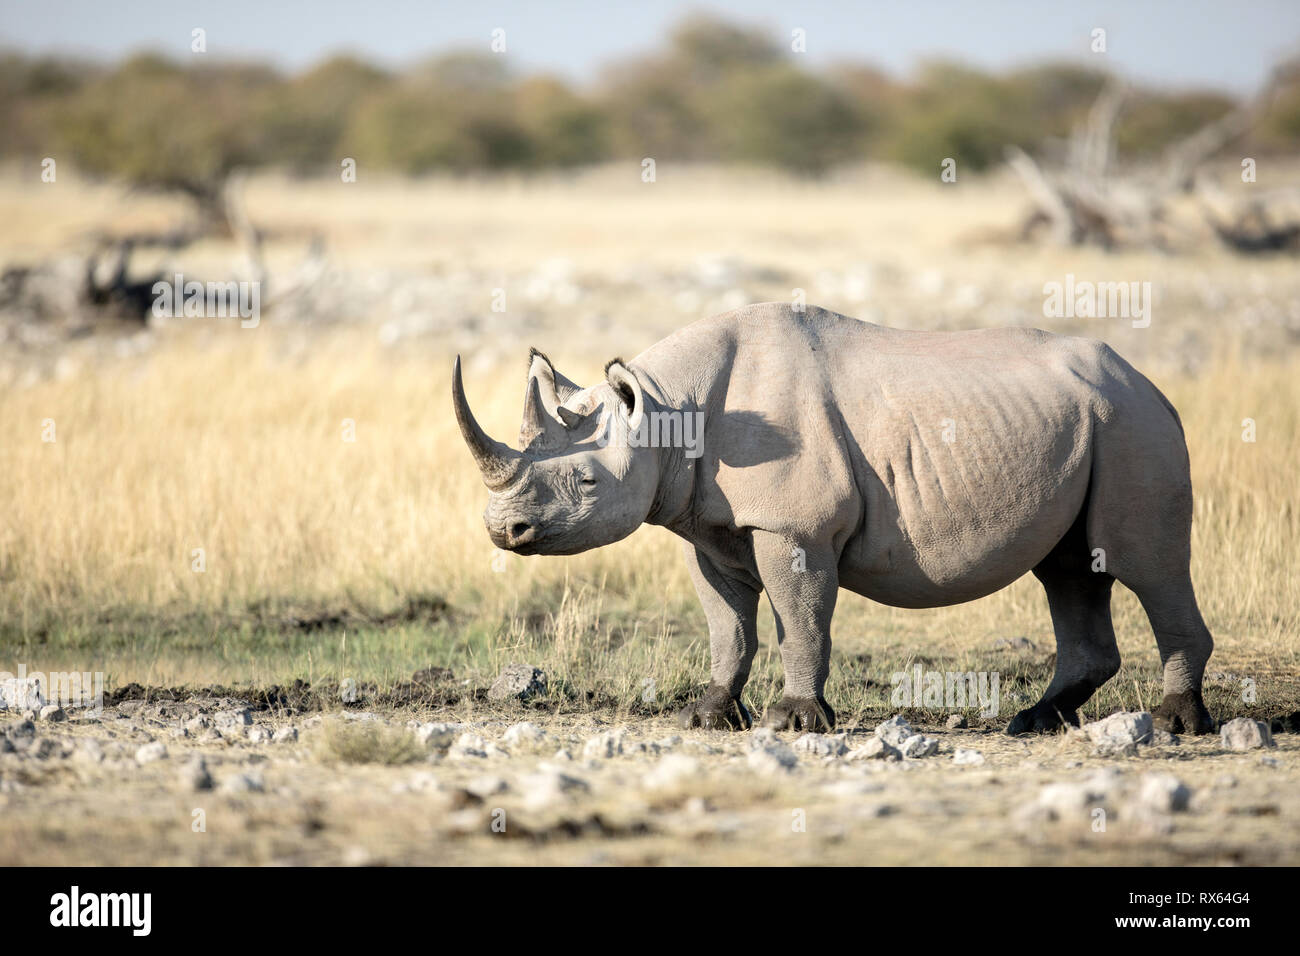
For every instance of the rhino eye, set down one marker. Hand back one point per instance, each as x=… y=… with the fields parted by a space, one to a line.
x=587 y=481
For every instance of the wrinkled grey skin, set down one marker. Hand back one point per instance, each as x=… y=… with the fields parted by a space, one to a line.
x=919 y=469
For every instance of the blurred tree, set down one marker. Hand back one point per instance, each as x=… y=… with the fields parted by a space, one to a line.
x=159 y=126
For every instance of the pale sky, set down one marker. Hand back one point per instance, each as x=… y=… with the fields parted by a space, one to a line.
x=1171 y=43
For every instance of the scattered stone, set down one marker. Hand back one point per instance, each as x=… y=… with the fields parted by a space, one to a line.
x=606 y=745
x=348 y=691
x=1163 y=738
x=895 y=731
x=768 y=755
x=918 y=746
x=672 y=771
x=17 y=730
x=197 y=724
x=1120 y=734
x=518 y=682
x=21 y=694
x=875 y=749
x=1163 y=793
x=548 y=786
x=233 y=720
x=195 y=774
x=1242 y=733
x=251 y=782
x=524 y=734
x=468 y=745
x=89 y=750
x=967 y=758
x=956 y=722
x=259 y=735
x=150 y=752
x=1266 y=761
x=820 y=745
x=437 y=736
x=487 y=786
x=285 y=735
x=53 y=713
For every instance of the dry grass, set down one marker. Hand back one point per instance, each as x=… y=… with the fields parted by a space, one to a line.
x=232 y=441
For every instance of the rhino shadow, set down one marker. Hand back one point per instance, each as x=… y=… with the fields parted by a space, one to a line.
x=751 y=439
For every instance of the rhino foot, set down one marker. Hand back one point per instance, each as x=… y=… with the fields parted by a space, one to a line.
x=716 y=710
x=1043 y=718
x=800 y=713
x=1184 y=713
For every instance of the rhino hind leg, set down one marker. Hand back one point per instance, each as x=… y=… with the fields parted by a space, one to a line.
x=802 y=714
x=1185 y=646
x=1086 y=652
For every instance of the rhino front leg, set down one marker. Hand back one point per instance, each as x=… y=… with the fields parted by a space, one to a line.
x=731 y=607
x=802 y=585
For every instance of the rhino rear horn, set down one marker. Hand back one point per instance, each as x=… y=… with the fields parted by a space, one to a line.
x=499 y=463
x=541 y=428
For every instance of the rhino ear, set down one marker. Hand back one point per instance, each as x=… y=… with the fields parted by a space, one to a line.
x=628 y=389
x=570 y=418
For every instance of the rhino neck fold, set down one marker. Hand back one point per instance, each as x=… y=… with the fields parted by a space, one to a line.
x=675 y=491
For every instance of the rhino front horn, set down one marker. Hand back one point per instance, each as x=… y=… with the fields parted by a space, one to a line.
x=500 y=464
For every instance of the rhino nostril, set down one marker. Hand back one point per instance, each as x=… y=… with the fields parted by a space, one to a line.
x=519 y=529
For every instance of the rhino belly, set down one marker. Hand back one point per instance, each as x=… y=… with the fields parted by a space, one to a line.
x=941 y=529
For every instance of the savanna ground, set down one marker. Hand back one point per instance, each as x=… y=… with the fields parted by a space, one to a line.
x=325 y=560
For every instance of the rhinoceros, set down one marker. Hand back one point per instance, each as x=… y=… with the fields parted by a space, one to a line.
x=918 y=469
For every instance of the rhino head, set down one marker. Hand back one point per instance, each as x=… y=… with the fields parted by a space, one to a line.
x=579 y=482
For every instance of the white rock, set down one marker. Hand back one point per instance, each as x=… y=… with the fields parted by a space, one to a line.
x=518 y=682
x=437 y=736
x=895 y=731
x=1242 y=733
x=469 y=745
x=956 y=722
x=1163 y=793
x=1120 y=733
x=233 y=720
x=672 y=771
x=820 y=745
x=918 y=746
x=150 y=752
x=524 y=734
x=768 y=755
x=21 y=694
x=875 y=749
x=53 y=713
x=606 y=745
x=550 y=785
x=195 y=775
x=250 y=782
x=89 y=750
x=285 y=735
x=487 y=786
x=967 y=758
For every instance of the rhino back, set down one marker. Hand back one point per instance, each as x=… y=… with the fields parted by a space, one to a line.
x=940 y=465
